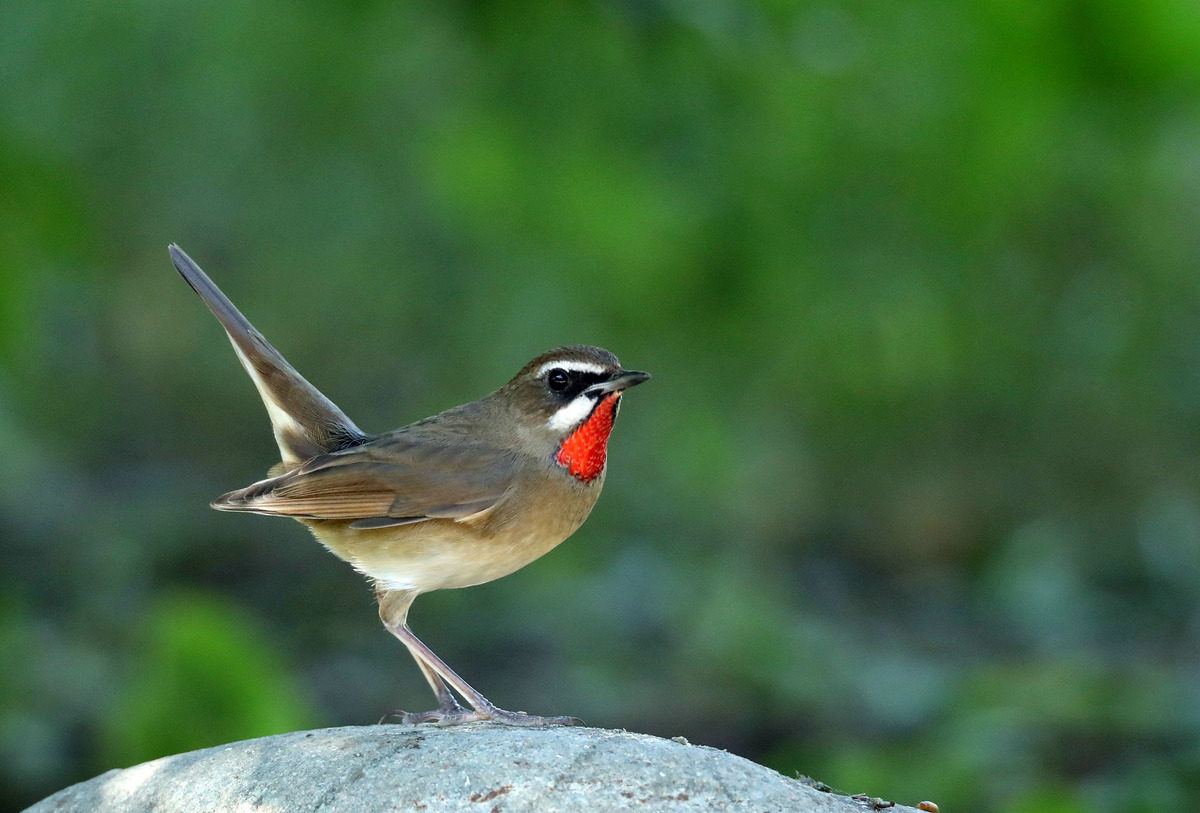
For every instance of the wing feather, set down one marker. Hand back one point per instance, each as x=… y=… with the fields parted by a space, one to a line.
x=390 y=481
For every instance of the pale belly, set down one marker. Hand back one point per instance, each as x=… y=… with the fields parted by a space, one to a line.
x=440 y=554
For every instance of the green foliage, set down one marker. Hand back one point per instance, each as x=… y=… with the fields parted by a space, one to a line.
x=203 y=676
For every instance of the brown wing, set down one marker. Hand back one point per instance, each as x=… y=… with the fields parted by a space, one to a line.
x=390 y=481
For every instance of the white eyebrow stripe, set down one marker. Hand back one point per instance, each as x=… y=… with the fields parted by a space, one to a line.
x=572 y=413
x=570 y=365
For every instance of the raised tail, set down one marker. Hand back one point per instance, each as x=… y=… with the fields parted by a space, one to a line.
x=306 y=423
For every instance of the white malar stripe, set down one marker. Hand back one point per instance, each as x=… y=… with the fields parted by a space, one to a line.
x=569 y=416
x=571 y=366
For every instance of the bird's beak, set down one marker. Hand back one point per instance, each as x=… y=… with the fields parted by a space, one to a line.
x=621 y=381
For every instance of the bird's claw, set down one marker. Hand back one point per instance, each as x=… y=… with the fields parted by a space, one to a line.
x=520 y=718
x=444 y=717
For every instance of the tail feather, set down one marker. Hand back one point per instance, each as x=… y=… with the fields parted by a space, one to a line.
x=305 y=422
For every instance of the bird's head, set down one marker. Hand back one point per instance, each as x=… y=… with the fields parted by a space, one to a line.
x=565 y=402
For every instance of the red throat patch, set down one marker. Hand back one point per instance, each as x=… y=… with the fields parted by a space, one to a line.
x=586 y=450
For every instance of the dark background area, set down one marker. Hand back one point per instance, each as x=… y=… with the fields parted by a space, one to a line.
x=910 y=505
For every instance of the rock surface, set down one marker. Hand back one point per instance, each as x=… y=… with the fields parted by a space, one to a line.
x=479 y=767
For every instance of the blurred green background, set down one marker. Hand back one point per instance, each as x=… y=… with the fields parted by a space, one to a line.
x=910 y=506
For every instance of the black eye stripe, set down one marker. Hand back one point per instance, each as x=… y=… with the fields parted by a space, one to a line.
x=571 y=382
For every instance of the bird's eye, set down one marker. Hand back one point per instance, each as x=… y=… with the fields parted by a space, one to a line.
x=558 y=379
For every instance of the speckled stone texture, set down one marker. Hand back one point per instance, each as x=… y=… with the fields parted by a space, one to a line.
x=479 y=767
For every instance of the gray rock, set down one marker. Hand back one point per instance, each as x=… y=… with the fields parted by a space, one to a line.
x=480 y=768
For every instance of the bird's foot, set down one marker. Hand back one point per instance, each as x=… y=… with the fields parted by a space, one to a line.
x=440 y=717
x=457 y=716
x=520 y=718
x=449 y=712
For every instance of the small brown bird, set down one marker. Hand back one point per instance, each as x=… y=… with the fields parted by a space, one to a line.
x=460 y=498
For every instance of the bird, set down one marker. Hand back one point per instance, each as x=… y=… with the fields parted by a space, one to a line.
x=457 y=499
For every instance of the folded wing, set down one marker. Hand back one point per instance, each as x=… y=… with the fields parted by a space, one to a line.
x=389 y=481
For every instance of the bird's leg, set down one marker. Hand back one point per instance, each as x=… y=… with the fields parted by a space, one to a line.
x=446 y=699
x=393 y=611
x=450 y=711
x=448 y=704
x=484 y=709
